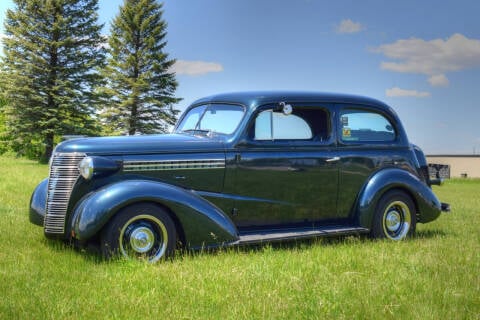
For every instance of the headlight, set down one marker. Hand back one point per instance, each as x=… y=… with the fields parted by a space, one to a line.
x=86 y=168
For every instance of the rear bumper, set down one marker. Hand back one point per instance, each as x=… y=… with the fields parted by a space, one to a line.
x=445 y=207
x=436 y=182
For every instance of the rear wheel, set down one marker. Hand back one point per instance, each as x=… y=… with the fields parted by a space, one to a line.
x=143 y=231
x=395 y=217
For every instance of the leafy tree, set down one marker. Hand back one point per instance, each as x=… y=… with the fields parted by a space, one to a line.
x=140 y=86
x=51 y=51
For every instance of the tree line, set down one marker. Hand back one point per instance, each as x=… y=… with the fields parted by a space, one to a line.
x=60 y=76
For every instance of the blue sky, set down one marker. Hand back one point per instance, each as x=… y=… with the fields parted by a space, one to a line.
x=420 y=57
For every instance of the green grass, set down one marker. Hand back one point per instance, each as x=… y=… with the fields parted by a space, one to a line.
x=432 y=276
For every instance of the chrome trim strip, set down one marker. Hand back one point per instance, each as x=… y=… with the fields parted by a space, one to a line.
x=161 y=165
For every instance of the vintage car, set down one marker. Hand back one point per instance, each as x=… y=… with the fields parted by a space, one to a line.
x=241 y=168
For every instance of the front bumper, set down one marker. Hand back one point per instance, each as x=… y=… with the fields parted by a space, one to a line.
x=38 y=203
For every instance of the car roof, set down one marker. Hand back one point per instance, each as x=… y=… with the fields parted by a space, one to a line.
x=253 y=99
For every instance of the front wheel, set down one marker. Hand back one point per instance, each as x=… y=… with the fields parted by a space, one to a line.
x=394 y=217
x=142 y=231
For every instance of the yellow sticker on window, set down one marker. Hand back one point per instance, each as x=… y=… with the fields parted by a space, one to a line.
x=346 y=132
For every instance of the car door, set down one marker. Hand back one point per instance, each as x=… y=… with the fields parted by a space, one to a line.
x=287 y=169
x=369 y=140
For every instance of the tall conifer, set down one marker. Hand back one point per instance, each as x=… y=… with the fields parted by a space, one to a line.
x=140 y=86
x=51 y=51
x=3 y=132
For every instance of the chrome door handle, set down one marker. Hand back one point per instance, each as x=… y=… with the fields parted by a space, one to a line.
x=334 y=159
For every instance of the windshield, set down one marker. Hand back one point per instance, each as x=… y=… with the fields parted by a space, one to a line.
x=212 y=118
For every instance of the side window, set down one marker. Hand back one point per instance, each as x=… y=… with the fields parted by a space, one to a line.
x=277 y=126
x=365 y=126
x=305 y=123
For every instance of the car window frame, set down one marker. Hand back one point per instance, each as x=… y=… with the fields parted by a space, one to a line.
x=341 y=108
x=208 y=104
x=282 y=143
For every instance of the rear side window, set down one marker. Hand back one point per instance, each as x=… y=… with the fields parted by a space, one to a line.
x=277 y=126
x=307 y=124
x=365 y=126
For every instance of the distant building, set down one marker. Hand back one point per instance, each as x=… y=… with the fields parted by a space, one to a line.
x=460 y=165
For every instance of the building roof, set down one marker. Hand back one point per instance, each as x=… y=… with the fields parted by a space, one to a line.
x=453 y=155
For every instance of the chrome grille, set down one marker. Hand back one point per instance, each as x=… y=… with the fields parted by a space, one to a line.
x=63 y=175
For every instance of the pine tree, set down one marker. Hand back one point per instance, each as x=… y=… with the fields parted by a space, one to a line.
x=51 y=51
x=140 y=88
x=3 y=132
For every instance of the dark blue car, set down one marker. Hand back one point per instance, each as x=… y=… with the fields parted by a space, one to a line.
x=241 y=168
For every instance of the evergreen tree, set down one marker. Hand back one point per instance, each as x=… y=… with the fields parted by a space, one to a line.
x=140 y=88
x=51 y=51
x=3 y=132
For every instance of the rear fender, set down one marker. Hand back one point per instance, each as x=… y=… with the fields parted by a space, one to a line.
x=427 y=204
x=202 y=222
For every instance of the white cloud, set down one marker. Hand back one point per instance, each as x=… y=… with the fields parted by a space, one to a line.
x=195 y=68
x=397 y=92
x=433 y=58
x=439 y=80
x=348 y=26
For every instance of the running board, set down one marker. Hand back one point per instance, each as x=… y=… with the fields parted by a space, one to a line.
x=291 y=234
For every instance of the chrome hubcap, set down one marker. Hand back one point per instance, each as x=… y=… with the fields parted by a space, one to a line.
x=397 y=219
x=144 y=236
x=142 y=239
x=393 y=220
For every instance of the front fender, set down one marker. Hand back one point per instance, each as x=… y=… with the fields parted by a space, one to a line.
x=38 y=203
x=428 y=206
x=202 y=222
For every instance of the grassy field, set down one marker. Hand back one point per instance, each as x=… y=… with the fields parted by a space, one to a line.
x=432 y=276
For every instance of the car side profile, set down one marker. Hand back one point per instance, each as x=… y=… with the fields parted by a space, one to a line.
x=241 y=168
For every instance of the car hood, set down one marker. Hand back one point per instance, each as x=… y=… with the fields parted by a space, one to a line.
x=147 y=144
